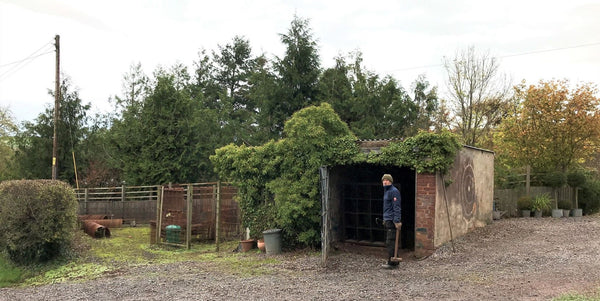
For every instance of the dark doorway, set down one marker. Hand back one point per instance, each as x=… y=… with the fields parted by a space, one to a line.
x=360 y=193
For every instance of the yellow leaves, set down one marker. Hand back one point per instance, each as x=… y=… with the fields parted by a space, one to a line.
x=552 y=118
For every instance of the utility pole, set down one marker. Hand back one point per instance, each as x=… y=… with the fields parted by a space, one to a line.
x=56 y=106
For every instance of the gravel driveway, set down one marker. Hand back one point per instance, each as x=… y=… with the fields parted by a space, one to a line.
x=511 y=259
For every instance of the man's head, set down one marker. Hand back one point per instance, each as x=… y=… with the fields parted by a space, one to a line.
x=387 y=179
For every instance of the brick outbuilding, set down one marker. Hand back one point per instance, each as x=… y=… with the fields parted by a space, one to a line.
x=432 y=213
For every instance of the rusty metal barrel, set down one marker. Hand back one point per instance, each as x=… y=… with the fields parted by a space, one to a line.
x=95 y=230
x=108 y=223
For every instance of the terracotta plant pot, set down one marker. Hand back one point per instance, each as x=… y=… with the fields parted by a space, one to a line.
x=261 y=245
x=247 y=245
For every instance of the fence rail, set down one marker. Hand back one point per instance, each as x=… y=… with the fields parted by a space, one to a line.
x=139 y=204
x=126 y=202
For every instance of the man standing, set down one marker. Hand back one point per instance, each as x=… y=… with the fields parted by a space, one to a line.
x=391 y=217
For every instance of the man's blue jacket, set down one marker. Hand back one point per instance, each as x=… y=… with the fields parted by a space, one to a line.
x=391 y=204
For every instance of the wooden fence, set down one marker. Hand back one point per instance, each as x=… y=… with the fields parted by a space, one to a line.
x=130 y=203
x=140 y=204
x=506 y=199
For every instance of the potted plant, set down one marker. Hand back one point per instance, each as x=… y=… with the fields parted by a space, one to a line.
x=539 y=203
x=261 y=245
x=555 y=180
x=565 y=206
x=524 y=204
x=576 y=179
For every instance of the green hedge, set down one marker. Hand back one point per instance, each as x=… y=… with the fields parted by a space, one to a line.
x=589 y=197
x=37 y=219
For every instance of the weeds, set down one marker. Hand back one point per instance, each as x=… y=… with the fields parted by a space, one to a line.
x=593 y=296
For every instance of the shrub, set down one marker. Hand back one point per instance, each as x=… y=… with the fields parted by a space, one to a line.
x=541 y=202
x=554 y=179
x=564 y=204
x=576 y=178
x=589 y=197
x=524 y=203
x=278 y=182
x=38 y=218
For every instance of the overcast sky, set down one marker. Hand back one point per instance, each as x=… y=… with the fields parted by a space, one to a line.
x=100 y=40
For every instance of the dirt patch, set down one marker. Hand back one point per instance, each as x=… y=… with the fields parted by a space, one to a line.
x=511 y=259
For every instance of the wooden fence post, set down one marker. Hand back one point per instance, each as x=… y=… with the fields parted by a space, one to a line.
x=123 y=201
x=188 y=230
x=218 y=216
x=161 y=191
x=85 y=200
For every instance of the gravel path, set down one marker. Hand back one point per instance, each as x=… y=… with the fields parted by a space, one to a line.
x=511 y=259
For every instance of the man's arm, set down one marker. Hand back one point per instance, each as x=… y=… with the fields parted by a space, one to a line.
x=397 y=205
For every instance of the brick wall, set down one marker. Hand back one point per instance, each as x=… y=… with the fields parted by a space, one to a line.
x=425 y=214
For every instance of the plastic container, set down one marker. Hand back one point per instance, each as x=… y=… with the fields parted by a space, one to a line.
x=272 y=239
x=173 y=233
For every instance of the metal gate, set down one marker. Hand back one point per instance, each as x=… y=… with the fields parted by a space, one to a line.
x=361 y=206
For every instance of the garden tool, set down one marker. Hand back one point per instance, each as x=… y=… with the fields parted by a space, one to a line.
x=396 y=258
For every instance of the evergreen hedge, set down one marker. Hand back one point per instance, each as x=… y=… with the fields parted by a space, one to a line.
x=37 y=219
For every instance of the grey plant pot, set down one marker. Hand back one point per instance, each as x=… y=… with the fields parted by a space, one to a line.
x=557 y=213
x=526 y=213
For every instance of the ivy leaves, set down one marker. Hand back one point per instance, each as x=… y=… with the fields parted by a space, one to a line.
x=426 y=152
x=281 y=177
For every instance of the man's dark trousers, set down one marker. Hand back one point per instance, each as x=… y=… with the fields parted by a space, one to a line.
x=390 y=240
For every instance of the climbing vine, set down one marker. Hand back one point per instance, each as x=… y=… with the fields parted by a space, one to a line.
x=426 y=152
x=278 y=182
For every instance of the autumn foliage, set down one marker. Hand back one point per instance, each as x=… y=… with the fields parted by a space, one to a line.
x=554 y=126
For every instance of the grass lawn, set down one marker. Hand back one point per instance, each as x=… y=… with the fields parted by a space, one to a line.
x=128 y=247
x=9 y=274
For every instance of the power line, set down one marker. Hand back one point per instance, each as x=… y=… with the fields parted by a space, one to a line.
x=32 y=54
x=550 y=50
x=17 y=65
x=505 y=56
x=28 y=58
x=14 y=70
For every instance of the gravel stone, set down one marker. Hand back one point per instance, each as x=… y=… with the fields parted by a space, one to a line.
x=510 y=259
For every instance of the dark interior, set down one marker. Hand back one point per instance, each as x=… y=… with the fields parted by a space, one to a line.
x=360 y=195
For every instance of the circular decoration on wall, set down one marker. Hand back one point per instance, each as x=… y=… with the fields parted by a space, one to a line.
x=467 y=194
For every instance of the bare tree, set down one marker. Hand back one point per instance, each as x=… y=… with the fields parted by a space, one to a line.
x=479 y=96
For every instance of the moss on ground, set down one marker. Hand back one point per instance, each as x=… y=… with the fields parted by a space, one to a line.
x=130 y=247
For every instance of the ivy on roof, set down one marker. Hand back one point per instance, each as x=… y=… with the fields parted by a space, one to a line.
x=426 y=152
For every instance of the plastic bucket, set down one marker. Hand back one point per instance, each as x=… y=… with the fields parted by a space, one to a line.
x=272 y=239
